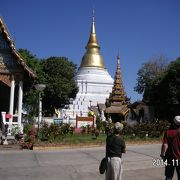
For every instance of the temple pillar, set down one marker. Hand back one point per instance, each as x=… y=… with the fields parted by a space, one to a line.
x=20 y=100
x=11 y=103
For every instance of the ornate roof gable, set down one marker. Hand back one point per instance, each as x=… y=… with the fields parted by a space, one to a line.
x=6 y=44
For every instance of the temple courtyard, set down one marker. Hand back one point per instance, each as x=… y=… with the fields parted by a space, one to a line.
x=140 y=163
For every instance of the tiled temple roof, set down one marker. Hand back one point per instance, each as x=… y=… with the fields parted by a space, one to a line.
x=19 y=59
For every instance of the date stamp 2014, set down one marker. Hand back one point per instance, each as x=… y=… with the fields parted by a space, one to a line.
x=161 y=162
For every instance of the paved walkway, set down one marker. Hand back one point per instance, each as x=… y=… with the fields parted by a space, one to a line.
x=77 y=164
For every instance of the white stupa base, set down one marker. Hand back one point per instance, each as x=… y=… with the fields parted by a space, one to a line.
x=95 y=84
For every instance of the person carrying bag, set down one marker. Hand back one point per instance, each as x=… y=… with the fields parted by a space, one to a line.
x=115 y=146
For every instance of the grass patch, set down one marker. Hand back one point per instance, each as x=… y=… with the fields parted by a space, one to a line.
x=88 y=139
x=129 y=139
x=84 y=139
x=75 y=139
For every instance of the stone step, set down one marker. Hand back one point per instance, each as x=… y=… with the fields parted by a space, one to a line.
x=10 y=139
x=78 y=107
x=10 y=147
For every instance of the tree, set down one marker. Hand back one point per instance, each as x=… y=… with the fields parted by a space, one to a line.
x=29 y=58
x=58 y=74
x=172 y=81
x=165 y=94
x=34 y=63
x=30 y=95
x=61 y=86
x=149 y=72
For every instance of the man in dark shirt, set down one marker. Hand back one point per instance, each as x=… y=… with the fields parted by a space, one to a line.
x=170 y=150
x=115 y=146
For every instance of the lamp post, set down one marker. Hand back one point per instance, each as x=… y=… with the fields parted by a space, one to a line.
x=40 y=88
x=90 y=102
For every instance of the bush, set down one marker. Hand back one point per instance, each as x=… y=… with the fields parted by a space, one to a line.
x=29 y=138
x=101 y=126
x=155 y=129
x=109 y=129
x=44 y=132
x=54 y=132
x=83 y=129
x=127 y=129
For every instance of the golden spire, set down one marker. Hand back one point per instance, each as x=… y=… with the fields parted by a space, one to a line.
x=118 y=60
x=118 y=101
x=118 y=93
x=92 y=39
x=92 y=57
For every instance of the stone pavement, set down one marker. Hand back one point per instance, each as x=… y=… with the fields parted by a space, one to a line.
x=78 y=164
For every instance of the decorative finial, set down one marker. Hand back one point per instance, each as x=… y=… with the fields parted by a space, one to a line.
x=92 y=39
x=14 y=41
x=93 y=14
x=118 y=58
x=93 y=26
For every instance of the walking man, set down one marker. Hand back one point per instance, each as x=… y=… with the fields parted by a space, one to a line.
x=170 y=150
x=115 y=146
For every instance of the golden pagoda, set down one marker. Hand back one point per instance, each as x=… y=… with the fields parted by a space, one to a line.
x=92 y=57
x=116 y=105
x=93 y=79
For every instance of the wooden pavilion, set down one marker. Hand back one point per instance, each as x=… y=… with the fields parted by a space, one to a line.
x=14 y=73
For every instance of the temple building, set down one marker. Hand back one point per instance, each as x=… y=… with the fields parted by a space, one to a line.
x=14 y=73
x=93 y=80
x=117 y=103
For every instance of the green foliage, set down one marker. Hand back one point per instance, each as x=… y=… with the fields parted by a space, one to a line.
x=150 y=71
x=27 y=128
x=58 y=74
x=165 y=95
x=152 y=130
x=160 y=85
x=30 y=59
x=155 y=129
x=109 y=128
x=127 y=129
x=44 y=132
x=86 y=129
x=54 y=132
x=170 y=84
x=85 y=139
x=34 y=63
x=15 y=130
x=83 y=129
x=63 y=133
x=30 y=99
x=98 y=122
x=61 y=86
x=29 y=138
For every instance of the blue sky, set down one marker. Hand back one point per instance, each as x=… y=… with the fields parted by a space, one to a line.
x=139 y=29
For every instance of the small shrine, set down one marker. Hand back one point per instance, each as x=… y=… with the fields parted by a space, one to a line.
x=14 y=73
x=117 y=103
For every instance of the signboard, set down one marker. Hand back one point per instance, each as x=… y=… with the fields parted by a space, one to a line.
x=58 y=121
x=84 y=121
